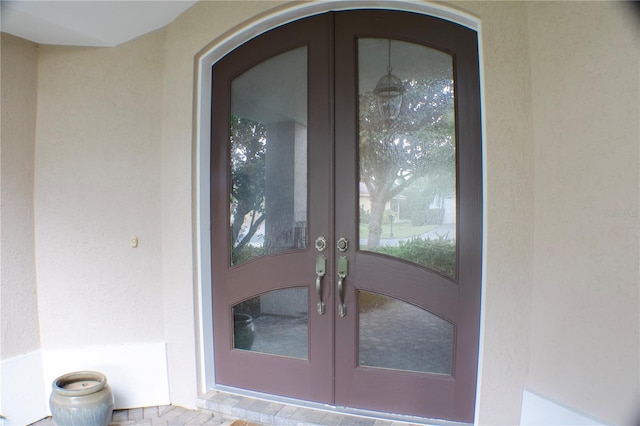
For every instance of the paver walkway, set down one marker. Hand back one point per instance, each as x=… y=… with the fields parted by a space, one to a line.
x=164 y=415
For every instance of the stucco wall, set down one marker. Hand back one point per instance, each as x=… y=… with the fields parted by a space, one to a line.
x=586 y=113
x=18 y=295
x=509 y=209
x=98 y=183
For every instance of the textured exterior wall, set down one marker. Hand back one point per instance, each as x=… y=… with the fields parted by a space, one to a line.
x=509 y=209
x=18 y=294
x=586 y=114
x=97 y=184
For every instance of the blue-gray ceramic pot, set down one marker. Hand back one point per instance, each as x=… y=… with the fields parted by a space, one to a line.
x=243 y=331
x=81 y=398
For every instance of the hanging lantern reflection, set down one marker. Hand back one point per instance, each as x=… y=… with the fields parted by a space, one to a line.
x=389 y=93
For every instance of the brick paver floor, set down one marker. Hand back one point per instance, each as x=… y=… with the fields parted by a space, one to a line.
x=164 y=415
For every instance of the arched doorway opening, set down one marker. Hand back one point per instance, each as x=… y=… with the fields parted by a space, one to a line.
x=339 y=364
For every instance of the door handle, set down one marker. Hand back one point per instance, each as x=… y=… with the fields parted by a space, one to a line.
x=343 y=271
x=321 y=268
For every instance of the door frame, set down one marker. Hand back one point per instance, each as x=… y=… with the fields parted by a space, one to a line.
x=204 y=61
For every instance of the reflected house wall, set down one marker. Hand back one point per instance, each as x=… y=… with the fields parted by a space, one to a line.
x=449 y=210
x=449 y=206
x=394 y=205
x=290 y=302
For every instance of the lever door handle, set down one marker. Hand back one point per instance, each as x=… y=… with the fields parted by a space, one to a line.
x=343 y=271
x=321 y=267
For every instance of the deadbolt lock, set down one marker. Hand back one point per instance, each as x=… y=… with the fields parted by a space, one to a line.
x=343 y=244
x=321 y=243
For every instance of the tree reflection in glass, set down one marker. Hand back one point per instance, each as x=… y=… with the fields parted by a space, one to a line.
x=407 y=165
x=268 y=160
x=248 y=142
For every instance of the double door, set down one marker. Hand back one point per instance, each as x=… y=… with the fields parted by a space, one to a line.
x=347 y=211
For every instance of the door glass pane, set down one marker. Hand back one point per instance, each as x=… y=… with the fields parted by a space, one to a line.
x=401 y=336
x=407 y=195
x=273 y=323
x=268 y=137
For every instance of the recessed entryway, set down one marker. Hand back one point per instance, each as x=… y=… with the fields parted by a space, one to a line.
x=312 y=167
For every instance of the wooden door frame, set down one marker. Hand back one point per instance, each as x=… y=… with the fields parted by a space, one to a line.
x=209 y=55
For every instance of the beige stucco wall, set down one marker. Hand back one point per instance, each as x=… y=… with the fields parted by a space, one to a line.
x=18 y=294
x=509 y=208
x=115 y=157
x=585 y=317
x=98 y=183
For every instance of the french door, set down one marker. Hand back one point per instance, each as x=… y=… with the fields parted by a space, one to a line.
x=347 y=213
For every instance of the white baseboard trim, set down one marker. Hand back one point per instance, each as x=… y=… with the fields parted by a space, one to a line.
x=22 y=396
x=540 y=411
x=136 y=373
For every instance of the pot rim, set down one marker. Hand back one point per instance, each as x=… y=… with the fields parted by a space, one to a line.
x=242 y=318
x=66 y=379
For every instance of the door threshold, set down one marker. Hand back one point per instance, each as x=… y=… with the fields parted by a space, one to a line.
x=271 y=410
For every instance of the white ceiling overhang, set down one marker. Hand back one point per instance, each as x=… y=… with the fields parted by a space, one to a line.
x=86 y=23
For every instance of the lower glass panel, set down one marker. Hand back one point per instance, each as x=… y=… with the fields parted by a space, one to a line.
x=273 y=323
x=401 y=336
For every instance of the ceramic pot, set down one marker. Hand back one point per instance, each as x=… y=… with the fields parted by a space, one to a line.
x=81 y=398
x=243 y=331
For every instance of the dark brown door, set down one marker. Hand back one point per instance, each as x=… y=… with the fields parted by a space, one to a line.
x=271 y=193
x=411 y=201
x=347 y=213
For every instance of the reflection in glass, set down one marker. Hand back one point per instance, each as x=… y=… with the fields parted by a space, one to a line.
x=407 y=172
x=268 y=137
x=273 y=323
x=397 y=335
